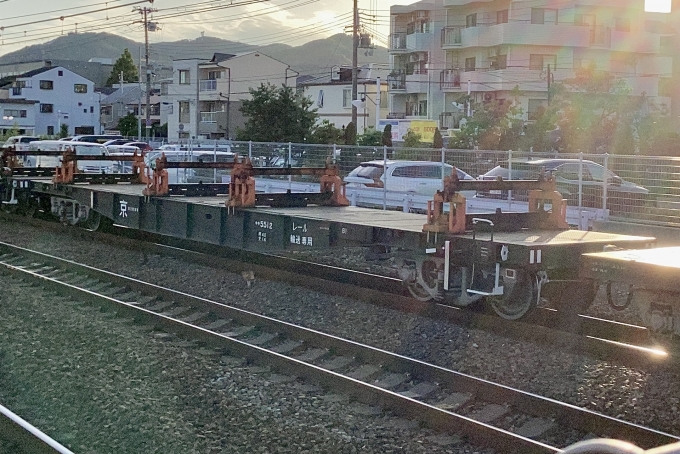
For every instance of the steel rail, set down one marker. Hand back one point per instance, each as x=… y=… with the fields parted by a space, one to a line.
x=29 y=438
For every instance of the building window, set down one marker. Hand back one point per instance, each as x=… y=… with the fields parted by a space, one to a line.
x=347 y=97
x=471 y=20
x=184 y=112
x=540 y=62
x=80 y=88
x=470 y=64
x=184 y=76
x=498 y=62
x=584 y=20
x=502 y=16
x=543 y=16
x=60 y=72
x=622 y=24
x=50 y=130
x=46 y=85
x=46 y=108
x=213 y=75
x=16 y=113
x=91 y=109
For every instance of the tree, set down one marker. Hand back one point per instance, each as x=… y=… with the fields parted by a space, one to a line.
x=437 y=140
x=412 y=139
x=597 y=113
x=370 y=137
x=126 y=65
x=127 y=125
x=277 y=114
x=351 y=134
x=63 y=130
x=387 y=136
x=326 y=133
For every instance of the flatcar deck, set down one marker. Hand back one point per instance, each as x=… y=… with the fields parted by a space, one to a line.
x=393 y=220
x=657 y=268
x=557 y=237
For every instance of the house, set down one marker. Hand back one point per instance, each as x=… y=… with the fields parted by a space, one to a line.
x=443 y=50
x=124 y=99
x=203 y=99
x=59 y=96
x=17 y=115
x=332 y=96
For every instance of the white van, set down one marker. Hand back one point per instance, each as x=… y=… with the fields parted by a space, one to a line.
x=20 y=142
x=81 y=148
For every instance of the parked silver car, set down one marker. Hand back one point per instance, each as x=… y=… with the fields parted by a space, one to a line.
x=570 y=175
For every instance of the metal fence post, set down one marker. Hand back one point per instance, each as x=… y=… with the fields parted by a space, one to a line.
x=509 y=177
x=250 y=150
x=605 y=181
x=443 y=154
x=385 y=174
x=290 y=161
x=580 y=179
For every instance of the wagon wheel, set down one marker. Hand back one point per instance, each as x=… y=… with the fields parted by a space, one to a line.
x=426 y=286
x=620 y=296
x=93 y=221
x=517 y=300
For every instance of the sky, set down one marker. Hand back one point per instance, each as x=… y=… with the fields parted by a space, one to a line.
x=257 y=22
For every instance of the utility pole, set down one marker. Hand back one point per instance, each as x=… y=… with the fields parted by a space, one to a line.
x=145 y=15
x=355 y=45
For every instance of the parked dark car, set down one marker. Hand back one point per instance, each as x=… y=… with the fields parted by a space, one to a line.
x=622 y=195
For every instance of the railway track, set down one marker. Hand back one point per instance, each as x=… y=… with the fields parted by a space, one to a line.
x=488 y=414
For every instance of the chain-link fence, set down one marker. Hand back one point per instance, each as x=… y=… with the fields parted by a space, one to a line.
x=637 y=188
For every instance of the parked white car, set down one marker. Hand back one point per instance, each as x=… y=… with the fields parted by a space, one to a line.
x=80 y=148
x=20 y=142
x=419 y=177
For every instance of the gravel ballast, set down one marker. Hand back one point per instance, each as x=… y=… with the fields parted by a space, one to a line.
x=647 y=396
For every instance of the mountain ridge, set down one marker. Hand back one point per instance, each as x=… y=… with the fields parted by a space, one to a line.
x=311 y=58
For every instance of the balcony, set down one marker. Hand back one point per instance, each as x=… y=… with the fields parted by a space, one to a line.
x=449 y=79
x=416 y=109
x=397 y=42
x=212 y=122
x=208 y=85
x=451 y=37
x=396 y=81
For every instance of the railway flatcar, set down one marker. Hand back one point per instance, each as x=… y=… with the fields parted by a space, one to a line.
x=513 y=261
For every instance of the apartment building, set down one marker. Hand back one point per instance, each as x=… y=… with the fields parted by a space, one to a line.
x=204 y=97
x=443 y=50
x=332 y=96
